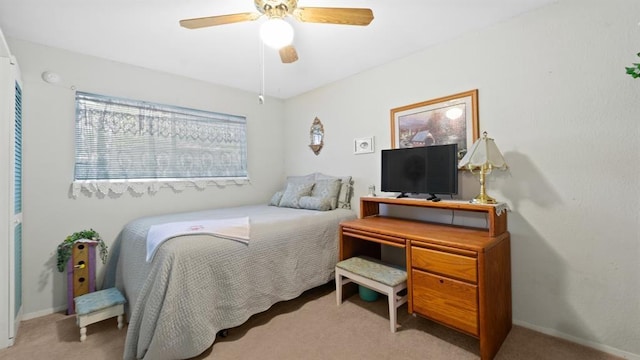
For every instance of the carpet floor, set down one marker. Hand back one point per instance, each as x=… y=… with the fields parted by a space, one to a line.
x=309 y=327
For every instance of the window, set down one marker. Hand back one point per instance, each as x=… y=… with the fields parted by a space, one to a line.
x=128 y=140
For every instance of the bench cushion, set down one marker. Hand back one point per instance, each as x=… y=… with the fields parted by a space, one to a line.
x=98 y=300
x=374 y=269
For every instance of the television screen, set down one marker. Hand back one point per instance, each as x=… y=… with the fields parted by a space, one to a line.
x=421 y=170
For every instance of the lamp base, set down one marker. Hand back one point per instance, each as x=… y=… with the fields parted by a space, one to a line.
x=483 y=199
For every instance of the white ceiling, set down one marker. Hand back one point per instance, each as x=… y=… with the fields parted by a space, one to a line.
x=146 y=33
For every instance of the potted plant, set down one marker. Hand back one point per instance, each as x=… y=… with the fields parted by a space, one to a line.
x=634 y=71
x=65 y=247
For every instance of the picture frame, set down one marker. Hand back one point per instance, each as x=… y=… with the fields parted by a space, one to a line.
x=363 y=145
x=446 y=120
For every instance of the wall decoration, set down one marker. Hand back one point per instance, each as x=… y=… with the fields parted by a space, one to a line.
x=446 y=120
x=363 y=145
x=316 y=135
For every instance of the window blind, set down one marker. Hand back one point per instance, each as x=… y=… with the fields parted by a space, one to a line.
x=121 y=139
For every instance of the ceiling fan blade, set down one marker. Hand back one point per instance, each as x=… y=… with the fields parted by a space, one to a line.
x=288 y=54
x=344 y=16
x=197 y=23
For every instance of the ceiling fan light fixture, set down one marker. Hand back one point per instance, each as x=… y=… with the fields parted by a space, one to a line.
x=276 y=33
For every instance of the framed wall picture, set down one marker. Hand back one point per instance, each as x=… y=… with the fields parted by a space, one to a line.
x=363 y=145
x=446 y=120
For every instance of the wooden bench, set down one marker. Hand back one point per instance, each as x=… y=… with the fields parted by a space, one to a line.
x=375 y=275
x=97 y=306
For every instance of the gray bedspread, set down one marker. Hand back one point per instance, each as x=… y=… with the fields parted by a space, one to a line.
x=197 y=285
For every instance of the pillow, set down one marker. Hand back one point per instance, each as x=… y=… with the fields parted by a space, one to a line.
x=293 y=193
x=275 y=199
x=328 y=189
x=344 y=197
x=315 y=203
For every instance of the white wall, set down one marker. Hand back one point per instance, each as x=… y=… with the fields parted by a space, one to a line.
x=554 y=94
x=50 y=213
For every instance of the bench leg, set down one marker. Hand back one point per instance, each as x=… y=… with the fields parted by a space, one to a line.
x=83 y=334
x=120 y=322
x=393 y=310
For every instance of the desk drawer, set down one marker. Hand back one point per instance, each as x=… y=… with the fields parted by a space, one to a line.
x=451 y=302
x=444 y=263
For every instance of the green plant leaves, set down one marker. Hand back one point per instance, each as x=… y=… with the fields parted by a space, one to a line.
x=634 y=71
x=65 y=247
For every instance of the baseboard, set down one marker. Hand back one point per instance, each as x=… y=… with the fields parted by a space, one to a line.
x=594 y=345
x=40 y=313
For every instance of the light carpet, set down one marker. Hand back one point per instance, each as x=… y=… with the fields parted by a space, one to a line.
x=309 y=327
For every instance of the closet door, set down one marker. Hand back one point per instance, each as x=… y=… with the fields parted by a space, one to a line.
x=11 y=205
x=15 y=206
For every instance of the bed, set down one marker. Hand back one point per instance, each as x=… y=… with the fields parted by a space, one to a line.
x=198 y=284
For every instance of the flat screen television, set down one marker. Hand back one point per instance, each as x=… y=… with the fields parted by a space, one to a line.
x=431 y=170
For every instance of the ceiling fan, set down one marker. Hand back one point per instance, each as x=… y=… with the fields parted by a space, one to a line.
x=277 y=10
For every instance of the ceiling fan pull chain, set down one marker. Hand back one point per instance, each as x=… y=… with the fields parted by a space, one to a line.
x=261 y=95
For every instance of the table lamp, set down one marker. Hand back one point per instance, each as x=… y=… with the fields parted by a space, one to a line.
x=481 y=159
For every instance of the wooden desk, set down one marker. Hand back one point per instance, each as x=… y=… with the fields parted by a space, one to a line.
x=457 y=276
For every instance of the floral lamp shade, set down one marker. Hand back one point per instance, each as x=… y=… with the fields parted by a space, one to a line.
x=484 y=152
